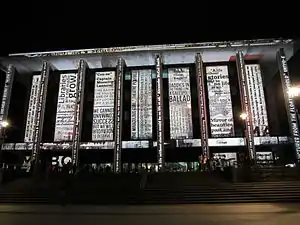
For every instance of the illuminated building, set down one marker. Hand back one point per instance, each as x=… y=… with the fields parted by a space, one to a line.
x=151 y=104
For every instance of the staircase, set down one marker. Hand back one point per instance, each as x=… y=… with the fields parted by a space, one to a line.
x=176 y=188
x=276 y=173
x=107 y=189
x=183 y=179
x=89 y=189
x=25 y=198
x=161 y=188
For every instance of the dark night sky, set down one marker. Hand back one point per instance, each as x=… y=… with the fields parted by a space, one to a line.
x=67 y=26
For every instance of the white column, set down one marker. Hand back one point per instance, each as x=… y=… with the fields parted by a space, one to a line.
x=160 y=114
x=39 y=118
x=289 y=101
x=118 y=116
x=246 y=107
x=10 y=74
x=78 y=111
x=202 y=105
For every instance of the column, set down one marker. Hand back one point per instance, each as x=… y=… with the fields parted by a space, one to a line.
x=39 y=118
x=10 y=73
x=245 y=102
x=78 y=111
x=159 y=114
x=202 y=105
x=118 y=116
x=289 y=102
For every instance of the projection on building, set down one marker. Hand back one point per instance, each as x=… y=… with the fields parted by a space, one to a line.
x=65 y=107
x=141 y=104
x=257 y=100
x=180 y=103
x=219 y=98
x=104 y=101
x=32 y=108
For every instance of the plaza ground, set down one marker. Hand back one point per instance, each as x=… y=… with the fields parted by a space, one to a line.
x=212 y=214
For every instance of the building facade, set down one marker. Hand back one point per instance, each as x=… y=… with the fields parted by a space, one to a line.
x=151 y=104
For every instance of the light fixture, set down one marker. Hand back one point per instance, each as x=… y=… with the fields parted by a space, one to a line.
x=4 y=124
x=243 y=116
x=294 y=91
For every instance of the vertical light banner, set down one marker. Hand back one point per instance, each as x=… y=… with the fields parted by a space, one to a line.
x=134 y=104
x=39 y=117
x=78 y=112
x=180 y=107
x=246 y=107
x=202 y=105
x=257 y=99
x=32 y=108
x=118 y=116
x=10 y=74
x=145 y=104
x=289 y=102
x=104 y=104
x=159 y=113
x=65 y=107
x=219 y=98
x=141 y=104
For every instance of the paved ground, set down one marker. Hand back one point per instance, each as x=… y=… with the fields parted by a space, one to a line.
x=237 y=214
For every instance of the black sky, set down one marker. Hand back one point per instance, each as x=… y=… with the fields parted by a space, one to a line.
x=70 y=25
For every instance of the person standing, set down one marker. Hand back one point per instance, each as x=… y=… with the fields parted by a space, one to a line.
x=200 y=162
x=1 y=173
